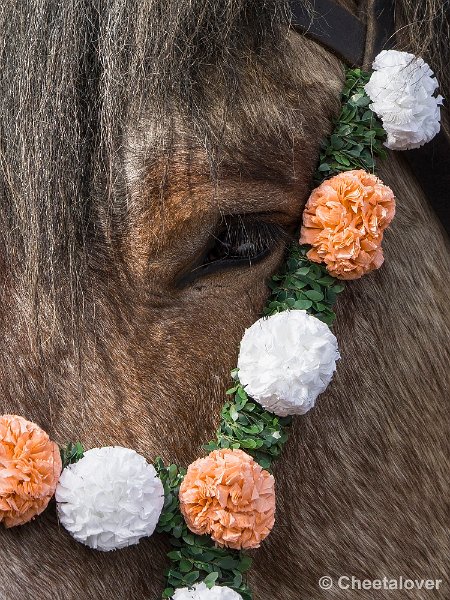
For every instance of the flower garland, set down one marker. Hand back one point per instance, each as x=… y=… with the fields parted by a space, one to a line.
x=224 y=503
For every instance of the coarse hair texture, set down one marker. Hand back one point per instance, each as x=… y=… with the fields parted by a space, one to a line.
x=424 y=29
x=72 y=74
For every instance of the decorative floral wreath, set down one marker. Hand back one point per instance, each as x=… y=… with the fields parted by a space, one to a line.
x=109 y=498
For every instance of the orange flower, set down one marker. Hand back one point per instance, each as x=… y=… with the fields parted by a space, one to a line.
x=229 y=496
x=344 y=220
x=30 y=466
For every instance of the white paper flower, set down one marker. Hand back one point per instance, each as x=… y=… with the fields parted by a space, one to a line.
x=201 y=592
x=286 y=361
x=110 y=499
x=402 y=90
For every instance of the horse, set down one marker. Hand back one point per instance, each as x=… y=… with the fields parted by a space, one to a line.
x=155 y=160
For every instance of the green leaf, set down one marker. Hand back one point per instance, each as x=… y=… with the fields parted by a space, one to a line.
x=71 y=453
x=344 y=130
x=341 y=159
x=174 y=555
x=210 y=580
x=234 y=413
x=326 y=281
x=314 y=295
x=191 y=578
x=248 y=443
x=173 y=471
x=227 y=563
x=185 y=565
x=245 y=564
x=336 y=142
x=303 y=304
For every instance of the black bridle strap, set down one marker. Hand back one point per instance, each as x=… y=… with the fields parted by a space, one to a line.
x=384 y=21
x=333 y=26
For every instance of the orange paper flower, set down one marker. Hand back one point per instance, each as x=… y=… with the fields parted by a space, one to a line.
x=229 y=496
x=30 y=466
x=344 y=220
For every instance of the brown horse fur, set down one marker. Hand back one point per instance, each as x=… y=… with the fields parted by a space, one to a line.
x=128 y=130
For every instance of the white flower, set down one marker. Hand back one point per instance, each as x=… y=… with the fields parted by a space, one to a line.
x=286 y=361
x=110 y=499
x=201 y=592
x=401 y=89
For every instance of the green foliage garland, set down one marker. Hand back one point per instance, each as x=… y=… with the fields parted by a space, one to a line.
x=305 y=285
x=358 y=134
x=245 y=424
x=71 y=453
x=356 y=140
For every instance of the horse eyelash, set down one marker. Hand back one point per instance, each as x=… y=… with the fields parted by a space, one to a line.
x=238 y=241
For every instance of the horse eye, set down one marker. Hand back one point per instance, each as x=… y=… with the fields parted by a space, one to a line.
x=238 y=241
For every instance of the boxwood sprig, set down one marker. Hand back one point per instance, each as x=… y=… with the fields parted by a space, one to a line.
x=246 y=425
x=305 y=285
x=171 y=520
x=71 y=453
x=357 y=136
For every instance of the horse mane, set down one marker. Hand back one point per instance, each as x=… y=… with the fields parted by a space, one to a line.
x=425 y=30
